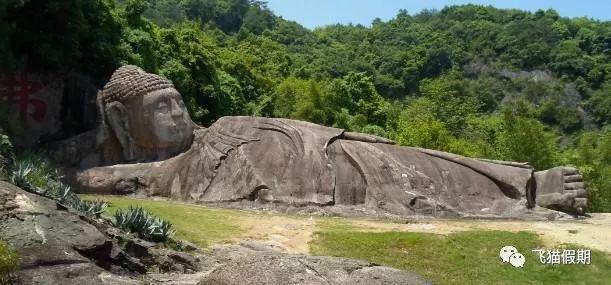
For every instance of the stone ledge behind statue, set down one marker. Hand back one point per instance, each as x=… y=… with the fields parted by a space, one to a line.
x=146 y=144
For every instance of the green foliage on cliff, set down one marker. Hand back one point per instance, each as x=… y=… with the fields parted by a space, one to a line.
x=474 y=80
x=8 y=263
x=6 y=154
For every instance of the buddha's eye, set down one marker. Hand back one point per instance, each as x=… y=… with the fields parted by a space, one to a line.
x=162 y=107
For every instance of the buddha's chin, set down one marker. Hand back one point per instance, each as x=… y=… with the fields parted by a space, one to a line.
x=172 y=139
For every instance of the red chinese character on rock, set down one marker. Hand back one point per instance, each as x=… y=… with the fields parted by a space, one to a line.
x=16 y=90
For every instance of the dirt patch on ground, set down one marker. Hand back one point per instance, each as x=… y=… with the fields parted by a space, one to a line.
x=294 y=233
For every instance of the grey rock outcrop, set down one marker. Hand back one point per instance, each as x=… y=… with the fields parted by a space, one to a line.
x=252 y=263
x=57 y=246
x=54 y=246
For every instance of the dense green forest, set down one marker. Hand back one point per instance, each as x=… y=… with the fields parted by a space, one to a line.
x=473 y=80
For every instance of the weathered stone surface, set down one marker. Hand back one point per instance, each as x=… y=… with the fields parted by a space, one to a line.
x=562 y=189
x=255 y=264
x=295 y=163
x=56 y=246
x=51 y=243
x=47 y=106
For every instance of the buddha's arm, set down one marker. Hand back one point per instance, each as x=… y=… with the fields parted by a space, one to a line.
x=116 y=179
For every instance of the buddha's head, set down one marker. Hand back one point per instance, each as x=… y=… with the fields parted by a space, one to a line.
x=146 y=114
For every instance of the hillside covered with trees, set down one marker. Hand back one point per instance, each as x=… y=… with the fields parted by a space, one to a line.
x=473 y=80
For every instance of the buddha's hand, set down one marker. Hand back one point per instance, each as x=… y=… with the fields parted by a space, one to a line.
x=561 y=189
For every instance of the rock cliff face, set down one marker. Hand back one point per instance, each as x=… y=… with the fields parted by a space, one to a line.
x=56 y=246
x=48 y=106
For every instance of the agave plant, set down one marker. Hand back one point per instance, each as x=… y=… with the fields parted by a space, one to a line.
x=63 y=193
x=90 y=208
x=33 y=174
x=85 y=207
x=160 y=230
x=146 y=225
x=20 y=176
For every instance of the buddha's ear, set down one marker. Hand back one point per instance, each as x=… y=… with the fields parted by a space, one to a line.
x=116 y=117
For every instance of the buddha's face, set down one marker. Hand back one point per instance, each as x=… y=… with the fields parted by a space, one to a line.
x=159 y=120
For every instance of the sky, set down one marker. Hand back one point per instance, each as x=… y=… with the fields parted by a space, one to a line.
x=316 y=13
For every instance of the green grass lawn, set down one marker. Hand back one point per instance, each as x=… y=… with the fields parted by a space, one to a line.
x=200 y=225
x=470 y=257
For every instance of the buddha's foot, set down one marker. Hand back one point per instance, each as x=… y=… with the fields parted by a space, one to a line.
x=561 y=189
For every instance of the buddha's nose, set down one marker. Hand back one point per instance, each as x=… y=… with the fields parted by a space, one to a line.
x=176 y=109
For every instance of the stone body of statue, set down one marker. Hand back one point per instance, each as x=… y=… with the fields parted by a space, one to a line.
x=147 y=144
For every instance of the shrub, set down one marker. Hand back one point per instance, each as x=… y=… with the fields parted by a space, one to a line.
x=20 y=176
x=90 y=208
x=32 y=173
x=64 y=195
x=141 y=222
x=8 y=263
x=6 y=154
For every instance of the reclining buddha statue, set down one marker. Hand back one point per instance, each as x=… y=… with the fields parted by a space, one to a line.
x=147 y=144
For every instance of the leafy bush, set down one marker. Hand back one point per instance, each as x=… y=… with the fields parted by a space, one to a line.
x=32 y=173
x=591 y=154
x=138 y=220
x=8 y=263
x=6 y=154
